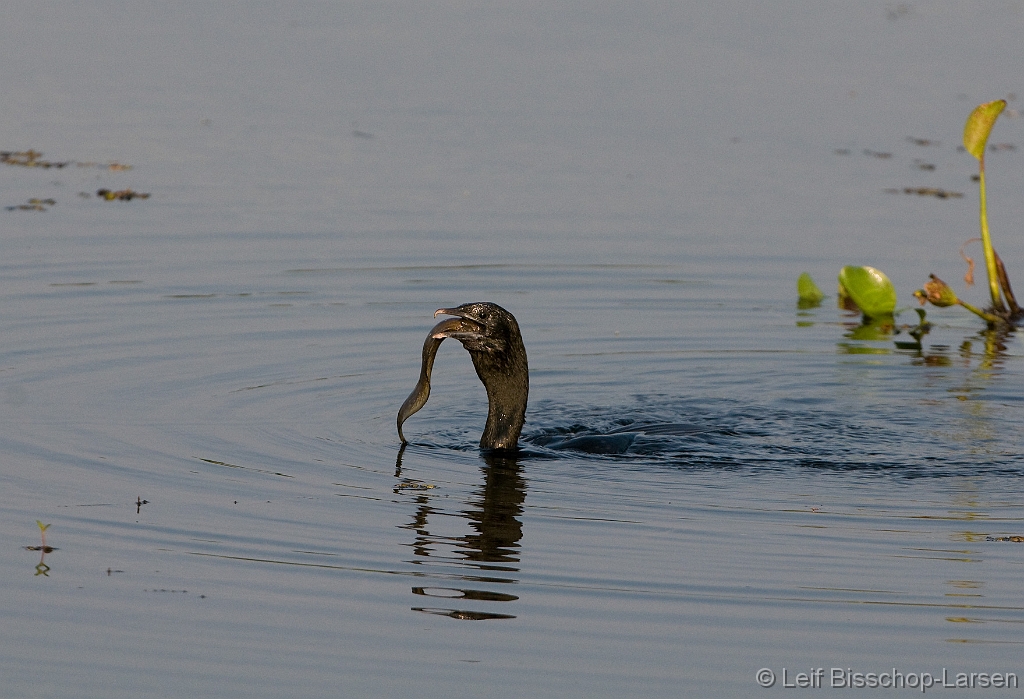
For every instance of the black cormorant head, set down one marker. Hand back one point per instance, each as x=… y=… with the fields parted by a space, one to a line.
x=482 y=327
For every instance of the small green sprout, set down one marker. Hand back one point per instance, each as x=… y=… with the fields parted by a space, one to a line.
x=808 y=293
x=42 y=531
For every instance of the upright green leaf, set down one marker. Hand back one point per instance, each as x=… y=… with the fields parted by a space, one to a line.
x=808 y=293
x=870 y=289
x=979 y=126
x=976 y=131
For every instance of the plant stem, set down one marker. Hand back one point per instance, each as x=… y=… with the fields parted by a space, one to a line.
x=988 y=317
x=986 y=244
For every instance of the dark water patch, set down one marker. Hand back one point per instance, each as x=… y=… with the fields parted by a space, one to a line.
x=764 y=437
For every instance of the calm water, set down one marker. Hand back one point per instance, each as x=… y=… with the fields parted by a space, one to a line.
x=641 y=187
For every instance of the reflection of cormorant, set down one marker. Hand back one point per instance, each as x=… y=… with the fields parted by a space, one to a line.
x=493 y=514
x=491 y=335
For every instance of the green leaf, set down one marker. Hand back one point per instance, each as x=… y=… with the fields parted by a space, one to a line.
x=979 y=126
x=808 y=293
x=42 y=527
x=869 y=289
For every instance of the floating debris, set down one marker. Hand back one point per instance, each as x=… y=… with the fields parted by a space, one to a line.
x=414 y=486
x=33 y=158
x=877 y=154
x=841 y=151
x=115 y=166
x=1002 y=146
x=33 y=205
x=1014 y=539
x=921 y=165
x=28 y=158
x=926 y=192
x=121 y=194
x=924 y=142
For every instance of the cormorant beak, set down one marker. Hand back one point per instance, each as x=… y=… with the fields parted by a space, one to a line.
x=459 y=328
x=449 y=312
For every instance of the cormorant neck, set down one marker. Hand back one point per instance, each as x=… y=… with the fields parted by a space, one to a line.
x=506 y=377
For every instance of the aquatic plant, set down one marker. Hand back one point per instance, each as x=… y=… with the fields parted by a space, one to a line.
x=868 y=290
x=42 y=531
x=41 y=567
x=808 y=293
x=939 y=293
x=976 y=132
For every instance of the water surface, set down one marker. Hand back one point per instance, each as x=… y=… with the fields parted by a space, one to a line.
x=200 y=388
